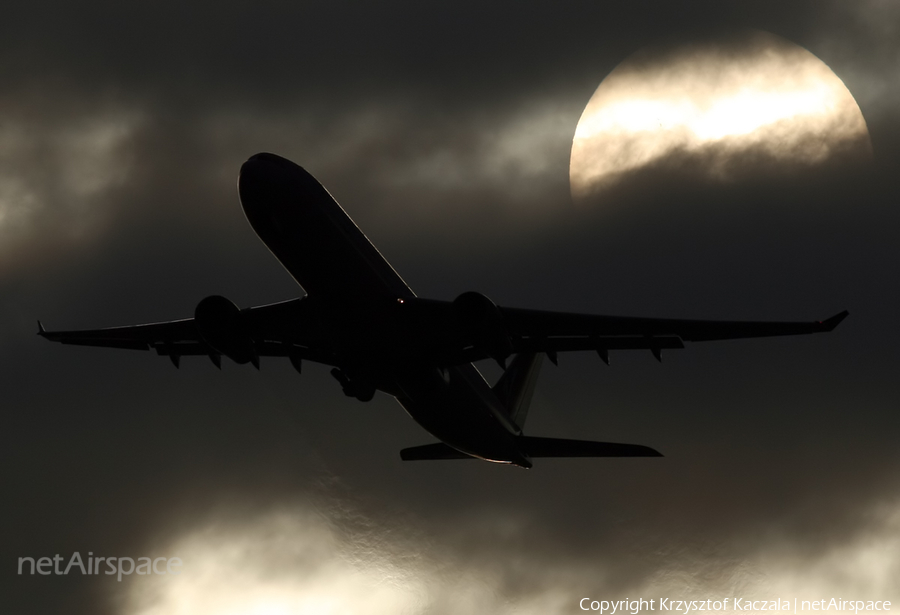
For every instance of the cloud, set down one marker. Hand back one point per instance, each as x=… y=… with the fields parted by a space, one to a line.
x=858 y=40
x=330 y=559
x=59 y=167
x=411 y=146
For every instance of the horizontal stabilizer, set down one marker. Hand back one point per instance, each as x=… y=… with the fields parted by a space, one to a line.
x=538 y=447
x=561 y=447
x=439 y=450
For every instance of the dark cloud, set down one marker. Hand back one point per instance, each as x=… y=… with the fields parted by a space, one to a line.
x=444 y=130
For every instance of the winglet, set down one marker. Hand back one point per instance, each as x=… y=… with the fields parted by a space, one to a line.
x=41 y=331
x=834 y=321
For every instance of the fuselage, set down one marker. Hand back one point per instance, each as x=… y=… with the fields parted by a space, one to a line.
x=367 y=313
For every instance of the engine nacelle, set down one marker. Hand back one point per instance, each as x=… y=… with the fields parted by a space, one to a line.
x=219 y=323
x=482 y=320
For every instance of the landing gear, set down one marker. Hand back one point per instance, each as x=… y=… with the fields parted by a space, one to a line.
x=359 y=388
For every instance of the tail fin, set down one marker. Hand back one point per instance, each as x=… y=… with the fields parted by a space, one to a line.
x=516 y=386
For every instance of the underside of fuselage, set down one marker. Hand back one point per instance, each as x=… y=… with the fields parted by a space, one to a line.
x=367 y=313
x=458 y=407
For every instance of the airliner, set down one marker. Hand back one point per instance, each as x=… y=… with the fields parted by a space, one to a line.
x=358 y=316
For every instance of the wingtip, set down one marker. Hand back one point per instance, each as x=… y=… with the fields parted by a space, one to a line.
x=41 y=331
x=830 y=323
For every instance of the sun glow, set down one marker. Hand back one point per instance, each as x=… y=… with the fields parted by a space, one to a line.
x=762 y=95
x=735 y=115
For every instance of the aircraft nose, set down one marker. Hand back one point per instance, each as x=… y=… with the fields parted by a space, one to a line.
x=267 y=157
x=269 y=181
x=262 y=164
x=263 y=168
x=259 y=177
x=269 y=171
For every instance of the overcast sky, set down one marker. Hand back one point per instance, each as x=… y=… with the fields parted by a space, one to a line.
x=444 y=130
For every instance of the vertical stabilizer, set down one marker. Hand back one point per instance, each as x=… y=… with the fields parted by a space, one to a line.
x=516 y=386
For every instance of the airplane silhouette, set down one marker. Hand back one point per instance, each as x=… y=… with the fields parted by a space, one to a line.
x=361 y=318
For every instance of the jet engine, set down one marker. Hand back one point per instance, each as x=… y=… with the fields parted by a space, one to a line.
x=482 y=320
x=219 y=323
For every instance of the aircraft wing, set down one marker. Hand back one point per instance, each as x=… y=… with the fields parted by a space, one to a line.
x=552 y=332
x=135 y=337
x=270 y=330
x=290 y=329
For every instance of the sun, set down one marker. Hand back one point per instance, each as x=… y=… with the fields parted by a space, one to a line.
x=755 y=97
